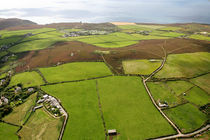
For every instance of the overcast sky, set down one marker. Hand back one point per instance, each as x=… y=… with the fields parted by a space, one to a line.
x=158 y=11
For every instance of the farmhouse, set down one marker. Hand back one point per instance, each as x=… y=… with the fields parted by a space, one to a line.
x=112 y=132
x=162 y=105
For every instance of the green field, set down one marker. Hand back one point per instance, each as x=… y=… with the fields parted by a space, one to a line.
x=170 y=28
x=34 y=45
x=200 y=37
x=20 y=113
x=81 y=102
x=179 y=87
x=75 y=71
x=41 y=126
x=166 y=34
x=162 y=93
x=6 y=34
x=187 y=117
x=118 y=39
x=197 y=96
x=203 y=82
x=8 y=132
x=28 y=79
x=185 y=65
x=128 y=109
x=143 y=67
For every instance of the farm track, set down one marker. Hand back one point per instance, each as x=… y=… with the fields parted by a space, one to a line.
x=180 y=134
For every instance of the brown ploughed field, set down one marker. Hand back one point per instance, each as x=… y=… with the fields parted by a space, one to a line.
x=62 y=52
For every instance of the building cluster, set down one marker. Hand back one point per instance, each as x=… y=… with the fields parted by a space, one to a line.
x=3 y=101
x=143 y=32
x=84 y=33
x=52 y=105
x=162 y=104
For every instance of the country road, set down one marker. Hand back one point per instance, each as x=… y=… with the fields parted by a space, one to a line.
x=180 y=134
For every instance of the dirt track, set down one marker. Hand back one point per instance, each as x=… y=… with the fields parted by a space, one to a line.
x=61 y=52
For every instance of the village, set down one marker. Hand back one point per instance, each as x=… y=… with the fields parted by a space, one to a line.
x=50 y=103
x=84 y=33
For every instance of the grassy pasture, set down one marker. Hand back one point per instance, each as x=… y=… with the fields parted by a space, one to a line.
x=12 y=39
x=118 y=39
x=27 y=79
x=166 y=34
x=7 y=132
x=187 y=117
x=127 y=108
x=185 y=65
x=200 y=37
x=197 y=96
x=6 y=33
x=170 y=28
x=179 y=87
x=75 y=71
x=81 y=102
x=161 y=92
x=35 y=45
x=20 y=113
x=41 y=126
x=203 y=82
x=143 y=67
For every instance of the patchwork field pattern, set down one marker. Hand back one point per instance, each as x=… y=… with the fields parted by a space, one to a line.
x=81 y=102
x=124 y=100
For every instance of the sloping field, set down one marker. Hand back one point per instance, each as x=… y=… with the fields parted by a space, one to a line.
x=20 y=113
x=81 y=102
x=41 y=126
x=7 y=132
x=200 y=37
x=203 y=82
x=27 y=79
x=187 y=117
x=185 y=65
x=75 y=71
x=179 y=87
x=127 y=108
x=197 y=96
x=143 y=67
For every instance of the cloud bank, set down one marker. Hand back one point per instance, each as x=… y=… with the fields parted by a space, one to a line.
x=158 y=11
